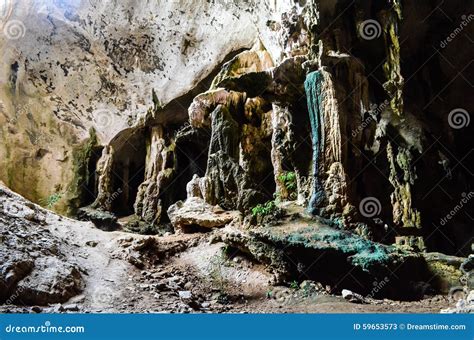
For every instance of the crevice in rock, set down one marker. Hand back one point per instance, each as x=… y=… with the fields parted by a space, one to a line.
x=194 y=228
x=92 y=183
x=14 y=75
x=192 y=149
x=127 y=170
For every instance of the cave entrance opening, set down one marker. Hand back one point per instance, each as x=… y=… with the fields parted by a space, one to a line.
x=128 y=171
x=192 y=149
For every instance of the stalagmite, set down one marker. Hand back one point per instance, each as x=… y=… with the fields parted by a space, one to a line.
x=104 y=175
x=282 y=145
x=313 y=84
x=159 y=172
x=328 y=169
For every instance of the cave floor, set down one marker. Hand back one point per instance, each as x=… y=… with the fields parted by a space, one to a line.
x=187 y=274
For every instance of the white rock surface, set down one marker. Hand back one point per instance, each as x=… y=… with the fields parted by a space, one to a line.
x=196 y=212
x=66 y=66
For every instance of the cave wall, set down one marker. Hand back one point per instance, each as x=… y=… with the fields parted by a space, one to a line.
x=366 y=102
x=68 y=66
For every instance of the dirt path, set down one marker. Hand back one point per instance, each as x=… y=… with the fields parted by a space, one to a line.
x=214 y=283
x=106 y=277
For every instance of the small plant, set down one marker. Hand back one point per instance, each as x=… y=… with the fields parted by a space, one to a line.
x=294 y=285
x=289 y=181
x=264 y=209
x=225 y=251
x=269 y=294
x=51 y=200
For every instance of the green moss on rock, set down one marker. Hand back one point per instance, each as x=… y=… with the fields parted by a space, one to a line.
x=360 y=252
x=445 y=271
x=394 y=84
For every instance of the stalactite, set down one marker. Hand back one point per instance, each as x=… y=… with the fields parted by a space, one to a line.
x=282 y=141
x=392 y=69
x=313 y=86
x=329 y=191
x=227 y=183
x=255 y=143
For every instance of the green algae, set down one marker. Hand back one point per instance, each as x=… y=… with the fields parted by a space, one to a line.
x=360 y=252
x=314 y=95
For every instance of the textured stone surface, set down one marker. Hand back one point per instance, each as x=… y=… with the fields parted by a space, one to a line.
x=179 y=106
x=69 y=66
x=326 y=255
x=195 y=212
x=34 y=266
x=158 y=174
x=446 y=271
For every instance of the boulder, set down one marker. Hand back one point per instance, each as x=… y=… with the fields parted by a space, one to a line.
x=445 y=270
x=196 y=213
x=34 y=267
x=465 y=305
x=102 y=219
x=51 y=280
x=352 y=297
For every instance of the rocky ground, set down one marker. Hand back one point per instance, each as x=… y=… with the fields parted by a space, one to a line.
x=54 y=264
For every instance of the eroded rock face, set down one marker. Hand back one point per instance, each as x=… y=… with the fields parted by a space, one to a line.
x=195 y=213
x=228 y=184
x=446 y=270
x=317 y=111
x=334 y=135
x=34 y=268
x=326 y=255
x=158 y=174
x=71 y=66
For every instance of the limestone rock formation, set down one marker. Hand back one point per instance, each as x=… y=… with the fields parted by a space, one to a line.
x=196 y=213
x=34 y=267
x=71 y=66
x=158 y=174
x=195 y=112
